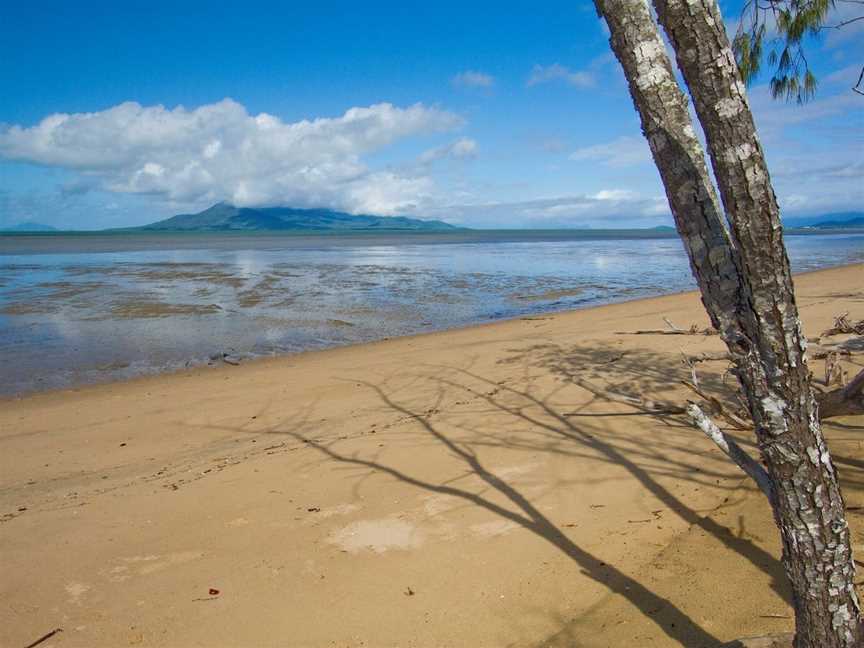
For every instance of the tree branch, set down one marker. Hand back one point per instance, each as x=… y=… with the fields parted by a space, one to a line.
x=744 y=461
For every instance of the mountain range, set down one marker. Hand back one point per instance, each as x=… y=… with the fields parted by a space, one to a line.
x=836 y=220
x=854 y=221
x=226 y=217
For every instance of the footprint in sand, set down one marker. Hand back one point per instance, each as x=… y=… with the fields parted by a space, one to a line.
x=76 y=591
x=377 y=536
x=148 y=564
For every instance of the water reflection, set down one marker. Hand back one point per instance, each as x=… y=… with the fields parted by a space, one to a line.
x=67 y=318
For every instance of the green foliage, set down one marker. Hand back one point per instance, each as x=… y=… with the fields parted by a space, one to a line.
x=781 y=26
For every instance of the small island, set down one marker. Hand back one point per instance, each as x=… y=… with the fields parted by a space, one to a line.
x=225 y=217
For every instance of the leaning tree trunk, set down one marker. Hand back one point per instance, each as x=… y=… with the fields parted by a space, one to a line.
x=746 y=288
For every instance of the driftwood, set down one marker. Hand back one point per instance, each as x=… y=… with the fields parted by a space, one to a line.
x=843 y=325
x=707 y=356
x=820 y=353
x=814 y=351
x=672 y=330
x=845 y=401
x=834 y=374
x=693 y=330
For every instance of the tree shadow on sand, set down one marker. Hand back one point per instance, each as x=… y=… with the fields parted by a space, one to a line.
x=526 y=414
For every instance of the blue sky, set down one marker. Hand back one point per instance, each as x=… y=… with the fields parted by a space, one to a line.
x=118 y=114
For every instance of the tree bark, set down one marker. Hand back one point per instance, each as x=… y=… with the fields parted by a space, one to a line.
x=746 y=288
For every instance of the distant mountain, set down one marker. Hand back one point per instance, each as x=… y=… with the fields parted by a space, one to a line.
x=854 y=222
x=836 y=220
x=29 y=227
x=224 y=217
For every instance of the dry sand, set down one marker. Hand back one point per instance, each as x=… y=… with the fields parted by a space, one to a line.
x=451 y=489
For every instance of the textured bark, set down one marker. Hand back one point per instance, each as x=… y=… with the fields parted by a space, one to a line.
x=772 y=365
x=746 y=288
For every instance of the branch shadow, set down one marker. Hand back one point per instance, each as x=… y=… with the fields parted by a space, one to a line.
x=483 y=414
x=526 y=514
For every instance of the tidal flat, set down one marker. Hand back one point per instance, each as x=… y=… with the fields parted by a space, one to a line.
x=72 y=313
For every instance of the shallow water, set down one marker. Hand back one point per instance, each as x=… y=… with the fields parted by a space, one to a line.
x=71 y=314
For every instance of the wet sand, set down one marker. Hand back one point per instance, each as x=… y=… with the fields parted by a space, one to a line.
x=448 y=489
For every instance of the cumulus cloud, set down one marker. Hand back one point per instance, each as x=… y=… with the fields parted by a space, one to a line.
x=620 y=152
x=221 y=152
x=463 y=148
x=558 y=72
x=473 y=79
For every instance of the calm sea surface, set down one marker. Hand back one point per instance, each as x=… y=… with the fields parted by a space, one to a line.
x=89 y=308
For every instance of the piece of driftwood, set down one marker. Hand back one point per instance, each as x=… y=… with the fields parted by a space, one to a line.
x=843 y=325
x=735 y=452
x=693 y=330
x=672 y=330
x=814 y=351
x=708 y=356
x=834 y=374
x=844 y=401
x=820 y=353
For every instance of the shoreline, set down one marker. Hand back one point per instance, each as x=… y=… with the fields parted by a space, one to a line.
x=252 y=361
x=453 y=488
x=110 y=241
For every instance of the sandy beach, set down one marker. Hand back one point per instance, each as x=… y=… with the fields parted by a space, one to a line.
x=447 y=489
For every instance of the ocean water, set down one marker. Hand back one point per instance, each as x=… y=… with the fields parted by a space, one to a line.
x=78 y=309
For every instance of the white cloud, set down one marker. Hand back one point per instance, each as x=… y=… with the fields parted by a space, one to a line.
x=219 y=151
x=620 y=152
x=606 y=208
x=844 y=77
x=463 y=148
x=473 y=79
x=558 y=72
x=614 y=194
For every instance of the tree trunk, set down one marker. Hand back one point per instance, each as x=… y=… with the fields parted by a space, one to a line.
x=746 y=288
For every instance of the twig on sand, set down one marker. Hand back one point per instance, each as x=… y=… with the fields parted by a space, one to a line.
x=708 y=356
x=819 y=353
x=44 y=637
x=843 y=325
x=692 y=366
x=693 y=330
x=672 y=330
x=843 y=401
